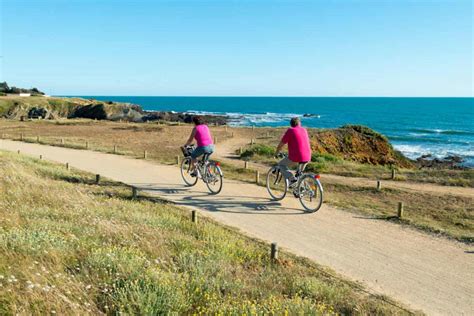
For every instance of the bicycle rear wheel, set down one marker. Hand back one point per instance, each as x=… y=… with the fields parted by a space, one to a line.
x=277 y=185
x=214 y=178
x=310 y=193
x=186 y=172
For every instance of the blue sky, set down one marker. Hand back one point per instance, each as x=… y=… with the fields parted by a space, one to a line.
x=315 y=48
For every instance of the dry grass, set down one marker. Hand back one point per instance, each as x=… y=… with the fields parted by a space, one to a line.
x=68 y=246
x=448 y=215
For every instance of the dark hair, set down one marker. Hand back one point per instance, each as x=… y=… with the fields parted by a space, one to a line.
x=295 y=121
x=198 y=120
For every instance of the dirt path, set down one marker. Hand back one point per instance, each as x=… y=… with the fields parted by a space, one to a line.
x=424 y=272
x=226 y=152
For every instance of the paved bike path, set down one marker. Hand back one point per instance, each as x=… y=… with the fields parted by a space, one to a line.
x=423 y=272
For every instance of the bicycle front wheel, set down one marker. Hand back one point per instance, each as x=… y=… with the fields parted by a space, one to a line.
x=277 y=185
x=186 y=172
x=214 y=178
x=310 y=193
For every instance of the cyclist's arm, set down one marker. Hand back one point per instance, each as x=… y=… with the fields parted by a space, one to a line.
x=279 y=148
x=191 y=138
x=283 y=142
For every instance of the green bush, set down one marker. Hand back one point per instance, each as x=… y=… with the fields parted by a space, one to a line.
x=319 y=157
x=258 y=149
x=365 y=131
x=321 y=162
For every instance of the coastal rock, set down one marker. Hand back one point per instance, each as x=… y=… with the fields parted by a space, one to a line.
x=449 y=162
x=182 y=117
x=358 y=143
x=38 y=113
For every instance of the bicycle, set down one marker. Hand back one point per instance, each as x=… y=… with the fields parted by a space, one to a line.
x=209 y=171
x=308 y=189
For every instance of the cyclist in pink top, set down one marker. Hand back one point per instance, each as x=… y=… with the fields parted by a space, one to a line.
x=205 y=145
x=299 y=149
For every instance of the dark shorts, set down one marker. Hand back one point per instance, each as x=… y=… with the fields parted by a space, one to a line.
x=199 y=151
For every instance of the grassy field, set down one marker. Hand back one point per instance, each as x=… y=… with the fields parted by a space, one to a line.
x=69 y=246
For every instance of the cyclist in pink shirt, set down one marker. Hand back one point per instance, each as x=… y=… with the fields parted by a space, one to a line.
x=299 y=149
x=205 y=145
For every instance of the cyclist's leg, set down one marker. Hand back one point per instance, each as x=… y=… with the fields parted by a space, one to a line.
x=285 y=165
x=302 y=167
x=194 y=156
x=208 y=149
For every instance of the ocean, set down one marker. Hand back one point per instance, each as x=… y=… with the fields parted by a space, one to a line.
x=415 y=126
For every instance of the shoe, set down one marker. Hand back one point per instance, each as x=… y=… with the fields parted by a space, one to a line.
x=193 y=174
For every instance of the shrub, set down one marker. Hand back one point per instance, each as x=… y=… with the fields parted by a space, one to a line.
x=258 y=149
x=365 y=131
x=321 y=157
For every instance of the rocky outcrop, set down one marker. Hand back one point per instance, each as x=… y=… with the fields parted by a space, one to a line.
x=449 y=162
x=182 y=117
x=358 y=143
x=52 y=108
x=39 y=113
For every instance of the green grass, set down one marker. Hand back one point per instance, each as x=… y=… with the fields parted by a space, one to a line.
x=69 y=246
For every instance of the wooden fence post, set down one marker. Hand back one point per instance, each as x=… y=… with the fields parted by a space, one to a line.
x=41 y=157
x=400 y=209
x=194 y=216
x=246 y=164
x=18 y=151
x=87 y=145
x=241 y=151
x=97 y=178
x=274 y=251
x=134 y=192
x=178 y=160
x=21 y=136
x=145 y=154
x=393 y=171
x=115 y=149
x=67 y=165
x=379 y=185
x=257 y=177
x=62 y=141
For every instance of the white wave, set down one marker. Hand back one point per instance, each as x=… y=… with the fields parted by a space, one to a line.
x=415 y=151
x=246 y=119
